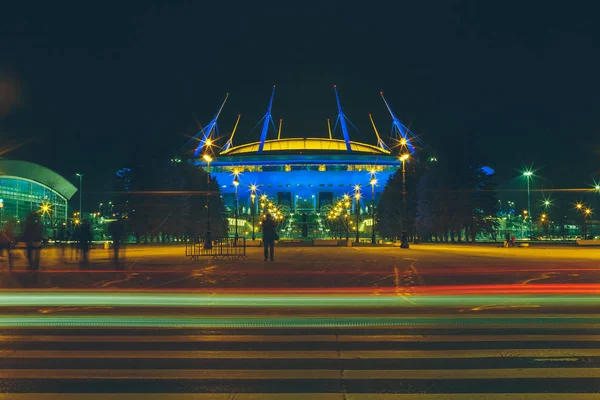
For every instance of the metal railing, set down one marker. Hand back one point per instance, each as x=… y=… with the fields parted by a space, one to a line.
x=224 y=248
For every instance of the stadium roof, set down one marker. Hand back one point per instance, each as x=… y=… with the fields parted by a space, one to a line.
x=305 y=145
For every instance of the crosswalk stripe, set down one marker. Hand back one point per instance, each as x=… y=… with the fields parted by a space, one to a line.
x=164 y=374
x=304 y=354
x=297 y=338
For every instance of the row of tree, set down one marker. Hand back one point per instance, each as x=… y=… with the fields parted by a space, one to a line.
x=160 y=201
x=448 y=198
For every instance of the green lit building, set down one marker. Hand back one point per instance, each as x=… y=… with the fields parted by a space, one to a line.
x=26 y=187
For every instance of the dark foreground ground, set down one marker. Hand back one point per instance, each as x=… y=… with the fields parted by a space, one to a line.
x=525 y=361
x=430 y=322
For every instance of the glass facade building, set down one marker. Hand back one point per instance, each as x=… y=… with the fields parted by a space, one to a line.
x=27 y=187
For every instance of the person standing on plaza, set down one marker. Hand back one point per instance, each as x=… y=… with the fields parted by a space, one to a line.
x=269 y=237
x=32 y=236
x=85 y=239
x=117 y=231
x=7 y=239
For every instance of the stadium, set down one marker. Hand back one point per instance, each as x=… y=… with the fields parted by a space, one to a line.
x=316 y=187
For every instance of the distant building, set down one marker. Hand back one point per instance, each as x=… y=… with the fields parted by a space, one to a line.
x=303 y=176
x=27 y=187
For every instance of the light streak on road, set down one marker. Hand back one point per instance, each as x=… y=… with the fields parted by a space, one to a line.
x=289 y=322
x=312 y=300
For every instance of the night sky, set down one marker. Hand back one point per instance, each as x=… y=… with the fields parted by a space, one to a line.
x=85 y=86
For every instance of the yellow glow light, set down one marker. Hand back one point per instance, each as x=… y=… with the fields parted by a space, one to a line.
x=207 y=158
x=404 y=157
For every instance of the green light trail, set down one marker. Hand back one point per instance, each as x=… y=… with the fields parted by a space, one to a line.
x=112 y=299
x=281 y=322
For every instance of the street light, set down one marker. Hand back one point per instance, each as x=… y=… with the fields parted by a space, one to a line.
x=586 y=214
x=253 y=198
x=528 y=174
x=207 y=239
x=357 y=197
x=80 y=192
x=373 y=182
x=404 y=235
x=236 y=183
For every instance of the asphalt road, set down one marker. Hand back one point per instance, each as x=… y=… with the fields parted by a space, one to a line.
x=315 y=267
x=523 y=361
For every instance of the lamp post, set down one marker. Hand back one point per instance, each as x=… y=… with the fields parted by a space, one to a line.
x=80 y=193
x=207 y=238
x=373 y=182
x=586 y=214
x=357 y=197
x=527 y=174
x=253 y=199
x=404 y=235
x=236 y=183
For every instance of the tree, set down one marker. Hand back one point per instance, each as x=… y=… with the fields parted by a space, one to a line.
x=161 y=200
x=453 y=199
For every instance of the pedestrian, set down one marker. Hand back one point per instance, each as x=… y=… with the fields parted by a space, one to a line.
x=33 y=240
x=507 y=239
x=85 y=239
x=74 y=244
x=269 y=237
x=7 y=239
x=512 y=240
x=117 y=231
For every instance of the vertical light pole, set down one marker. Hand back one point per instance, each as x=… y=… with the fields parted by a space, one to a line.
x=207 y=238
x=586 y=214
x=373 y=182
x=404 y=235
x=597 y=190
x=80 y=193
x=357 y=197
x=236 y=183
x=253 y=199
x=527 y=174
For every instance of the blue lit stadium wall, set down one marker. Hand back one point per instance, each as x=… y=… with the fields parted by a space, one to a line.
x=306 y=175
x=304 y=183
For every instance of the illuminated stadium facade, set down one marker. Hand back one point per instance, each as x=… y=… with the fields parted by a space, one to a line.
x=27 y=187
x=302 y=178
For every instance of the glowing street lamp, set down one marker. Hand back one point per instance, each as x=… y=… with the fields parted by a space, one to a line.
x=528 y=174
x=208 y=238
x=236 y=183
x=357 y=197
x=253 y=199
x=80 y=191
x=404 y=243
x=373 y=182
x=586 y=214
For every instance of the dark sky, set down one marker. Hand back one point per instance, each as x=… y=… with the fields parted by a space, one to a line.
x=86 y=85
